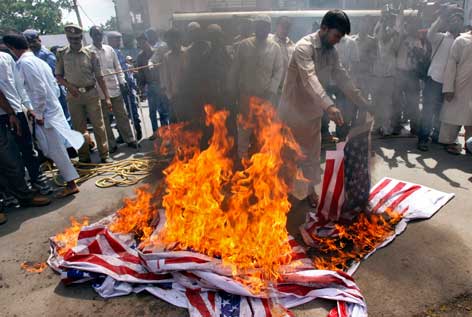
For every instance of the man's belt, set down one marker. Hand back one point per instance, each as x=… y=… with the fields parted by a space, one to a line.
x=84 y=90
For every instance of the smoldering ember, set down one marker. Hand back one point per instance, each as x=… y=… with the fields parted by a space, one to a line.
x=235 y=158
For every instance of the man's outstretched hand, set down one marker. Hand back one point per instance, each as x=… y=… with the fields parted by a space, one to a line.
x=335 y=115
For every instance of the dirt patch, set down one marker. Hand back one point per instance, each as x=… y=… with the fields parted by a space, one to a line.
x=460 y=306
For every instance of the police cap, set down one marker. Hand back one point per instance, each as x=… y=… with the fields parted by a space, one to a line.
x=73 y=30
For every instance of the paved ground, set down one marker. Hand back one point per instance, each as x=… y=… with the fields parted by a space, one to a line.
x=429 y=266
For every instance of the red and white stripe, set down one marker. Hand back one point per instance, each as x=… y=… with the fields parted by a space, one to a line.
x=413 y=201
x=196 y=289
x=196 y=279
x=332 y=194
x=105 y=253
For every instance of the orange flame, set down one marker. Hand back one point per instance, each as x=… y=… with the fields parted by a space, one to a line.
x=239 y=216
x=33 y=267
x=68 y=239
x=356 y=241
x=137 y=215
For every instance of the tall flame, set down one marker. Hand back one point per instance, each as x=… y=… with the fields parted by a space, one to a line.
x=239 y=216
x=137 y=215
x=68 y=238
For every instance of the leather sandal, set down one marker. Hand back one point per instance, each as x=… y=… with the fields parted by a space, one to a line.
x=66 y=192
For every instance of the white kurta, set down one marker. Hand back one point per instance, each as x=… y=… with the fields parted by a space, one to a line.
x=458 y=79
x=42 y=88
x=109 y=64
x=11 y=86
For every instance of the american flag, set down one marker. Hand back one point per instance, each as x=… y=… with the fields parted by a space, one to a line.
x=206 y=288
x=346 y=182
x=196 y=282
x=346 y=190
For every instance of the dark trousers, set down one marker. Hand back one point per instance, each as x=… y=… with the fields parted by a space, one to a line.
x=429 y=117
x=12 y=172
x=158 y=103
x=24 y=144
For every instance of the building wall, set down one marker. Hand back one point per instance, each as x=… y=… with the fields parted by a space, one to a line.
x=134 y=16
x=160 y=12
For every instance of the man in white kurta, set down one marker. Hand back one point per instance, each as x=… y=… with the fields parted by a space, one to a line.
x=315 y=65
x=457 y=88
x=52 y=129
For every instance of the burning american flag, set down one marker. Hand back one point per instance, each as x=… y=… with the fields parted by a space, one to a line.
x=215 y=241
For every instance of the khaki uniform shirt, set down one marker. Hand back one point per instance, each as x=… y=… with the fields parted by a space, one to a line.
x=312 y=69
x=79 y=68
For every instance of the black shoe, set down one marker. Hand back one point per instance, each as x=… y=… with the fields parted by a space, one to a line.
x=113 y=149
x=120 y=140
x=133 y=145
x=9 y=201
x=107 y=160
x=42 y=187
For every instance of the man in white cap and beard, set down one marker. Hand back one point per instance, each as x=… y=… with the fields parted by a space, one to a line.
x=257 y=71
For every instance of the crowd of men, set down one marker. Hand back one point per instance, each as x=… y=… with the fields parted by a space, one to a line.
x=386 y=69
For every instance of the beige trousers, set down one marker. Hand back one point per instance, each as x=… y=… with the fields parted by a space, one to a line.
x=88 y=105
x=308 y=135
x=122 y=121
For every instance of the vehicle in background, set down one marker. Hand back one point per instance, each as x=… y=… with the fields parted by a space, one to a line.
x=303 y=20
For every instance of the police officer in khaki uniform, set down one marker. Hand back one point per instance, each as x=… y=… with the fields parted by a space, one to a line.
x=78 y=69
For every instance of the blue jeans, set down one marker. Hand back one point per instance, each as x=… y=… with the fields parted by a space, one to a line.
x=429 y=117
x=158 y=102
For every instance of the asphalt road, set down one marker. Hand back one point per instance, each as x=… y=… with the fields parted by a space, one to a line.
x=428 y=265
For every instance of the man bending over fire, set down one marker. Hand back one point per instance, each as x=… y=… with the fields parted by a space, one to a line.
x=313 y=66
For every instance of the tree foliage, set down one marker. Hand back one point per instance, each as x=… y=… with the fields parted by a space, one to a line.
x=42 y=15
x=110 y=25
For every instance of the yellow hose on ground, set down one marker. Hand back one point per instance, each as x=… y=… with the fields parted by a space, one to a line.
x=127 y=172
